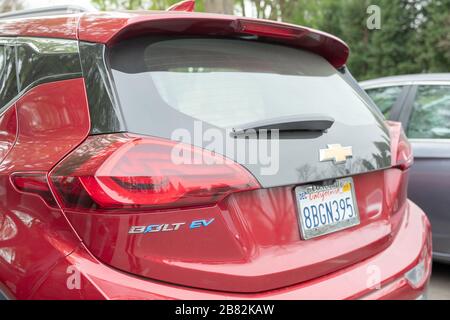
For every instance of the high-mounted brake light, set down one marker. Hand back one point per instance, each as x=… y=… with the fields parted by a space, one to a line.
x=401 y=150
x=122 y=171
x=270 y=30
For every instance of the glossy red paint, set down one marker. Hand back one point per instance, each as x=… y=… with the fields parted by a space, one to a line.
x=8 y=131
x=64 y=27
x=400 y=146
x=260 y=246
x=100 y=281
x=53 y=118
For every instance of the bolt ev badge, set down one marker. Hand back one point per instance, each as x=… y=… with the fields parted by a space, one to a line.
x=335 y=152
x=170 y=227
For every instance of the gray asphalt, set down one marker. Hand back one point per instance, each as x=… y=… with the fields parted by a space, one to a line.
x=440 y=282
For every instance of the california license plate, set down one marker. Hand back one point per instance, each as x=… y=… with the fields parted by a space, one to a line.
x=323 y=209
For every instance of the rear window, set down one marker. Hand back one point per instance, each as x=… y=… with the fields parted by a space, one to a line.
x=226 y=83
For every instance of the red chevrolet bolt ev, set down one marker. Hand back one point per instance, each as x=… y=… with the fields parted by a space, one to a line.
x=93 y=205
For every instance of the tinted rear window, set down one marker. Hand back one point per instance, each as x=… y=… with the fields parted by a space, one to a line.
x=227 y=82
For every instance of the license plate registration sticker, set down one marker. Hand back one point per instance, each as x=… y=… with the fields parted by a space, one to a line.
x=323 y=209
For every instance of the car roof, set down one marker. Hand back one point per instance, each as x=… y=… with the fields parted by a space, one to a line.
x=405 y=79
x=110 y=27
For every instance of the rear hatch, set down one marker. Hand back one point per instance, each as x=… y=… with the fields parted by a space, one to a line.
x=235 y=226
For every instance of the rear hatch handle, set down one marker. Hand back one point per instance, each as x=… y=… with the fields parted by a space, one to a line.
x=308 y=122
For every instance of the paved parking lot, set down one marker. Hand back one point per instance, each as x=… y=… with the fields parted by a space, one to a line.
x=440 y=282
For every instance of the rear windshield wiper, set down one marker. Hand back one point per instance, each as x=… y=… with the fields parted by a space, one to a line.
x=307 y=122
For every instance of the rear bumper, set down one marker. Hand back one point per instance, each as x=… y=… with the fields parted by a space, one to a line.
x=382 y=276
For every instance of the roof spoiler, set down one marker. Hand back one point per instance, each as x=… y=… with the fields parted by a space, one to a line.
x=44 y=11
x=334 y=50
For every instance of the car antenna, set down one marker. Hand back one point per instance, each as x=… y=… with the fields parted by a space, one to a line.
x=186 y=5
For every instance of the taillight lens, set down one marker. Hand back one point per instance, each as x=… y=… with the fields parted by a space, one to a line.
x=33 y=182
x=401 y=150
x=119 y=171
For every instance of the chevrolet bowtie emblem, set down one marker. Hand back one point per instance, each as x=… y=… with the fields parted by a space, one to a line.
x=335 y=152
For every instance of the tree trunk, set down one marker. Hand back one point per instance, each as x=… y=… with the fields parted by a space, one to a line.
x=10 y=5
x=219 y=6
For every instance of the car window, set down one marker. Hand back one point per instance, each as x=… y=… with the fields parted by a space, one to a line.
x=430 y=118
x=227 y=83
x=39 y=59
x=385 y=98
x=2 y=63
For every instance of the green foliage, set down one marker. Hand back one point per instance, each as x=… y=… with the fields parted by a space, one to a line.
x=390 y=50
x=414 y=35
x=140 y=4
x=435 y=40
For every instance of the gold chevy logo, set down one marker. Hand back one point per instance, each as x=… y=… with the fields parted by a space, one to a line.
x=335 y=152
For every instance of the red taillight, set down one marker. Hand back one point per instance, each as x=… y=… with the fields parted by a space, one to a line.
x=401 y=150
x=33 y=182
x=125 y=171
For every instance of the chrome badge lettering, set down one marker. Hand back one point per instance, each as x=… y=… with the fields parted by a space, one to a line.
x=166 y=227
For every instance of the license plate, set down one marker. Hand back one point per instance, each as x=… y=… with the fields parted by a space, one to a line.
x=323 y=209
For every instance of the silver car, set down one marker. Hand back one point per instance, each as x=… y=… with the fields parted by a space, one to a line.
x=422 y=103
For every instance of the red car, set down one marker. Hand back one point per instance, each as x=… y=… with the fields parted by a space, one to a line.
x=96 y=108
